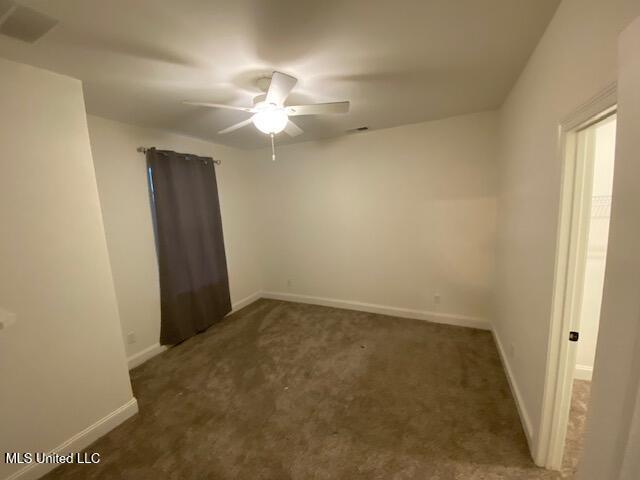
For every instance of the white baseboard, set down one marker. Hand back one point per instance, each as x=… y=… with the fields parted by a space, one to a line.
x=245 y=301
x=139 y=358
x=79 y=441
x=83 y=439
x=583 y=372
x=436 y=317
x=515 y=391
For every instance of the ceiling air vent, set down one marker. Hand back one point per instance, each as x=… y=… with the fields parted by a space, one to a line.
x=23 y=23
x=364 y=128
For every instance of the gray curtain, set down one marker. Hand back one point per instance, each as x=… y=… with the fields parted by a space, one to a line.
x=194 y=285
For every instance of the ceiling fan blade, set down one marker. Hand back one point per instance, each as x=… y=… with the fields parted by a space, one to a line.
x=219 y=105
x=292 y=129
x=243 y=123
x=318 y=109
x=281 y=85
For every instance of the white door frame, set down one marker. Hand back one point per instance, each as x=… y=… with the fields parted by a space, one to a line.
x=573 y=224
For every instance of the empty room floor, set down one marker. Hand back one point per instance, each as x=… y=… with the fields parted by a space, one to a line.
x=290 y=391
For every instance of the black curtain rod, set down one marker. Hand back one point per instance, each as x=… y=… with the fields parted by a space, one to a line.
x=144 y=150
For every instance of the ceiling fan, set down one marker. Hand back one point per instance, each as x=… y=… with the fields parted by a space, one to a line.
x=269 y=114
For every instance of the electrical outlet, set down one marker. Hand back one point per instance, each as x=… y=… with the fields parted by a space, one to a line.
x=131 y=337
x=511 y=351
x=289 y=283
x=436 y=299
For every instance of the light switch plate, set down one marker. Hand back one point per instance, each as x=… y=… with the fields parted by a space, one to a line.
x=6 y=319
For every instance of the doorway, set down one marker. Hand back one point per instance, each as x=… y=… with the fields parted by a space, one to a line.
x=596 y=147
x=588 y=151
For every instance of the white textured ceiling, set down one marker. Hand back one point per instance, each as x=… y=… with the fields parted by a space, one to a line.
x=398 y=62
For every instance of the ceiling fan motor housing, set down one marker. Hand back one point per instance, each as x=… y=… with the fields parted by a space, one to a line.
x=263 y=83
x=259 y=98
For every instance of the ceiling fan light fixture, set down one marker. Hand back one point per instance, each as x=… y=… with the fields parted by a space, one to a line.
x=269 y=115
x=270 y=119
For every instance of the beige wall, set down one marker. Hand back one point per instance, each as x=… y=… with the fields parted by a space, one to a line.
x=62 y=364
x=122 y=182
x=390 y=217
x=613 y=433
x=382 y=217
x=575 y=59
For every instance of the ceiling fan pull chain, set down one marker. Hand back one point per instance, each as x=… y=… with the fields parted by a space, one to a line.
x=273 y=148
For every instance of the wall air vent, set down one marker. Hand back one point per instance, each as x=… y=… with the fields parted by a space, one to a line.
x=23 y=23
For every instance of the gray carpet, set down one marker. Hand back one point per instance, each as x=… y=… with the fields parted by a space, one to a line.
x=575 y=429
x=289 y=391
